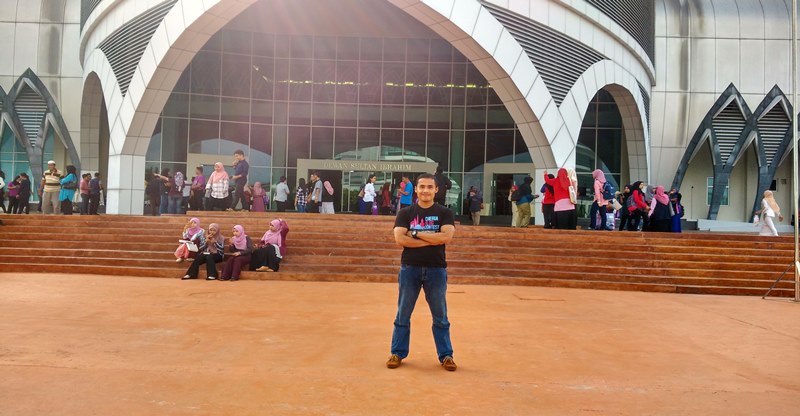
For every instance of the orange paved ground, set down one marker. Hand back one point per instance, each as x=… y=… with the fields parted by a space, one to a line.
x=95 y=345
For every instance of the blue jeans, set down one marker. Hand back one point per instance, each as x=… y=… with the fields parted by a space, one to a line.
x=593 y=216
x=164 y=207
x=301 y=207
x=434 y=281
x=174 y=204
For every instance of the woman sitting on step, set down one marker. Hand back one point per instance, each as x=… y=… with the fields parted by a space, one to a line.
x=210 y=253
x=191 y=239
x=268 y=256
x=240 y=250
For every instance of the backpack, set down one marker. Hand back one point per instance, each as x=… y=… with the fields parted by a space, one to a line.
x=630 y=202
x=608 y=191
x=515 y=195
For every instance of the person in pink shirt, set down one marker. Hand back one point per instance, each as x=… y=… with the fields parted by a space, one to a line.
x=83 y=186
x=600 y=203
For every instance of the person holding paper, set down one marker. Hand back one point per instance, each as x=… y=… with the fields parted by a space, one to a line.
x=192 y=238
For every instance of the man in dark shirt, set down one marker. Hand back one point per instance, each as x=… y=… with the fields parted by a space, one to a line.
x=240 y=169
x=444 y=184
x=423 y=229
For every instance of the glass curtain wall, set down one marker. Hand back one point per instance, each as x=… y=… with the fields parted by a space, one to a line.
x=599 y=145
x=285 y=97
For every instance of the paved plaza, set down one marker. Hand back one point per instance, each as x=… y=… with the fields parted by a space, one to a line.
x=84 y=345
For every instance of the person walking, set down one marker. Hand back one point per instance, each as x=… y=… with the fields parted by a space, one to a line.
x=475 y=201
x=369 y=195
x=84 y=190
x=50 y=189
x=258 y=198
x=769 y=211
x=524 y=203
x=240 y=170
x=282 y=193
x=423 y=230
x=406 y=192
x=13 y=193
x=315 y=195
x=3 y=191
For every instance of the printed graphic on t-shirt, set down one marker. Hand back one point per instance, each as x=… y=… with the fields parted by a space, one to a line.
x=428 y=224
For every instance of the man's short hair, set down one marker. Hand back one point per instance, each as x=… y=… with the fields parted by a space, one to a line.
x=425 y=176
x=313 y=173
x=97 y=174
x=239 y=152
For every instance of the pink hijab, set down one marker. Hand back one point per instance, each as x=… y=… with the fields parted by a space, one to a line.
x=239 y=242
x=660 y=196
x=257 y=189
x=273 y=237
x=212 y=248
x=219 y=173
x=196 y=229
x=599 y=175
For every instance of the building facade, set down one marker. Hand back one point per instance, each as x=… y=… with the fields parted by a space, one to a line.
x=669 y=92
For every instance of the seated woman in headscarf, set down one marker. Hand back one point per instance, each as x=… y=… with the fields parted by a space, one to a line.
x=210 y=253
x=192 y=238
x=268 y=256
x=240 y=250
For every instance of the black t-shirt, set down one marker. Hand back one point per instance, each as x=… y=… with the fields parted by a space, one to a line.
x=428 y=220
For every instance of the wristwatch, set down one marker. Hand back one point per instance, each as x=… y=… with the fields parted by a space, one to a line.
x=414 y=234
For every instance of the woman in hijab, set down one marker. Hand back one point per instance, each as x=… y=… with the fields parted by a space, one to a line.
x=636 y=206
x=600 y=204
x=769 y=210
x=69 y=184
x=194 y=234
x=624 y=214
x=241 y=248
x=564 y=208
x=267 y=257
x=217 y=189
x=677 y=210
x=210 y=253
x=258 y=195
x=660 y=213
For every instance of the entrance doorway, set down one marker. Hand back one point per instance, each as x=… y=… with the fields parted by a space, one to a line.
x=501 y=188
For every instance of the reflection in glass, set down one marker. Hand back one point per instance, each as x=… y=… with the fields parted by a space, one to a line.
x=321 y=143
x=174 y=133
x=474 y=148
x=299 y=144
x=235 y=109
x=260 y=145
x=204 y=136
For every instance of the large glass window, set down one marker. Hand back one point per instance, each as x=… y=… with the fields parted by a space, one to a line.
x=600 y=142
x=283 y=97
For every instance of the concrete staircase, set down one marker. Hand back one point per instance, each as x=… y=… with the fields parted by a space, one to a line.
x=361 y=248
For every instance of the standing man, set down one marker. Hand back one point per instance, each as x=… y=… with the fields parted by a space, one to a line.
x=51 y=187
x=240 y=169
x=407 y=193
x=444 y=184
x=475 y=200
x=95 y=187
x=315 y=199
x=282 y=192
x=423 y=230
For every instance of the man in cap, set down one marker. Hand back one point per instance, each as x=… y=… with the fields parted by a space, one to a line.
x=50 y=188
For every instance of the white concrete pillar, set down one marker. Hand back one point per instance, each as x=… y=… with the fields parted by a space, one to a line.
x=125 y=184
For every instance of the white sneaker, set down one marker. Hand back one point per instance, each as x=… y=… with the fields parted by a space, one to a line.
x=211 y=278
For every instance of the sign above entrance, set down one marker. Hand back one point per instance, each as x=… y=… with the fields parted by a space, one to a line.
x=365 y=165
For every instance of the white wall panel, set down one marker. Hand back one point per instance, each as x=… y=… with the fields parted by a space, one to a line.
x=727 y=63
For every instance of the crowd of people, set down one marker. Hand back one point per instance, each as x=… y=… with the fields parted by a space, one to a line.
x=208 y=247
x=57 y=191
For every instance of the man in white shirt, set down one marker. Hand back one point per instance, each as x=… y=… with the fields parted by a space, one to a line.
x=282 y=192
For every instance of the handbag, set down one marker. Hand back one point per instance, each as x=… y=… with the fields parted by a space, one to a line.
x=573 y=196
x=617 y=206
x=70 y=185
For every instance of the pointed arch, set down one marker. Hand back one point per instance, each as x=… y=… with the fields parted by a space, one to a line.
x=728 y=127
x=773 y=120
